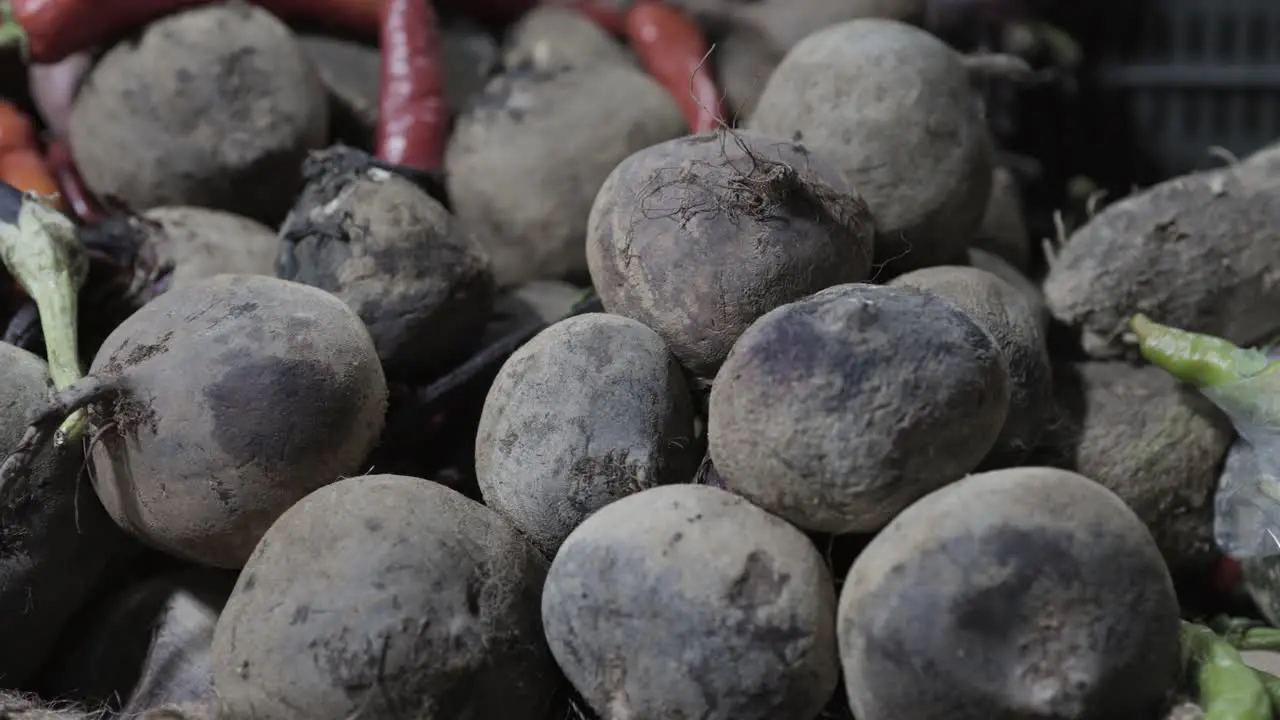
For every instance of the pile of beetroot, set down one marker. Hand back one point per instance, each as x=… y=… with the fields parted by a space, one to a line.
x=631 y=360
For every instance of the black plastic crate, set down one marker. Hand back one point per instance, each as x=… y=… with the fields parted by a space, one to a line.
x=1195 y=74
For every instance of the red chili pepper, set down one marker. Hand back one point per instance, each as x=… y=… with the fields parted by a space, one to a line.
x=413 y=112
x=1227 y=576
x=673 y=49
x=54 y=29
x=26 y=170
x=84 y=204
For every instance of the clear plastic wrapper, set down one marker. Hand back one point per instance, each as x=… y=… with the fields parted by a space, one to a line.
x=1246 y=520
x=1247 y=504
x=1262 y=582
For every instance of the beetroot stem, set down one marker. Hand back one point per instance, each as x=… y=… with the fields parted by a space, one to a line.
x=44 y=255
x=44 y=424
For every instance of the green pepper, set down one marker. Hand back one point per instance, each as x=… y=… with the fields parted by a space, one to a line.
x=1271 y=684
x=1247 y=634
x=1226 y=688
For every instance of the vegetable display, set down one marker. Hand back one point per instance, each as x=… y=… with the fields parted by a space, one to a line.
x=620 y=360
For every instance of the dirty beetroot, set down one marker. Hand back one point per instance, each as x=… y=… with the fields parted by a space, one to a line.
x=531 y=361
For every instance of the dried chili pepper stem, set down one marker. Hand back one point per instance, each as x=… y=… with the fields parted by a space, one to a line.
x=1226 y=688
x=413 y=111
x=673 y=50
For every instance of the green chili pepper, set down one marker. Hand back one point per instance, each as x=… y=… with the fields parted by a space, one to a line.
x=1226 y=688
x=1247 y=634
x=40 y=248
x=1243 y=382
x=1201 y=360
x=1271 y=684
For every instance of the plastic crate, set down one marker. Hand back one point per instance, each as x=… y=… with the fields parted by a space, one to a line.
x=1199 y=73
